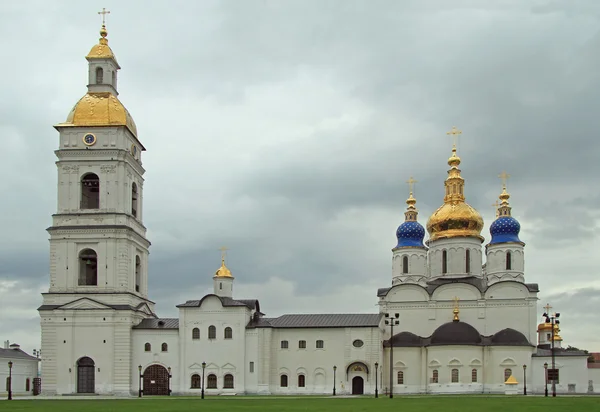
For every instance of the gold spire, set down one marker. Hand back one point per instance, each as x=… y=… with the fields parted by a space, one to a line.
x=101 y=50
x=223 y=271
x=411 y=210
x=456 y=311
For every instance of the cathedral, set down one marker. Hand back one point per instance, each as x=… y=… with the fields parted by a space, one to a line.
x=456 y=317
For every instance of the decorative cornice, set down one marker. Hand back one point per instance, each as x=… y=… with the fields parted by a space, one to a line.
x=92 y=229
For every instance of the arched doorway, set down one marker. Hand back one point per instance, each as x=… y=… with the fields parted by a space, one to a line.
x=86 y=377
x=156 y=380
x=358 y=385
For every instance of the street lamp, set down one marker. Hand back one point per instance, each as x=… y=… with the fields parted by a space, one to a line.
x=169 y=381
x=524 y=379
x=552 y=319
x=546 y=378
x=334 y=369
x=10 y=364
x=140 y=385
x=203 y=367
x=392 y=321
x=376 y=373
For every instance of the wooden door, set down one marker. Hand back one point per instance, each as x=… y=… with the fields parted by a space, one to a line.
x=86 y=377
x=156 y=380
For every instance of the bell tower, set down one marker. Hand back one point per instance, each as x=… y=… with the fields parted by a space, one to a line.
x=98 y=286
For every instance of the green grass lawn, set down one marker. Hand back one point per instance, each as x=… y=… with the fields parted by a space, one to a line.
x=266 y=404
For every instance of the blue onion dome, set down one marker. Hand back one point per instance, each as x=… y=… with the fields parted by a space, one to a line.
x=505 y=228
x=410 y=233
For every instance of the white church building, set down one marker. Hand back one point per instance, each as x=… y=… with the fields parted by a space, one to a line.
x=464 y=318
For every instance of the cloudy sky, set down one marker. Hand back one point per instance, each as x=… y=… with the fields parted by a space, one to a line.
x=286 y=130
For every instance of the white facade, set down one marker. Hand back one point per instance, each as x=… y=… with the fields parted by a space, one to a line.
x=24 y=370
x=466 y=318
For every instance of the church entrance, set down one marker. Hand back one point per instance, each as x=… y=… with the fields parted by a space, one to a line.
x=156 y=380
x=86 y=378
x=358 y=385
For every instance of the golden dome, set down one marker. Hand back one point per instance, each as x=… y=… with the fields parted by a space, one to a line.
x=100 y=109
x=102 y=49
x=223 y=271
x=455 y=217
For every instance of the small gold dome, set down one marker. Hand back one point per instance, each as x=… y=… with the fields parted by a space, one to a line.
x=223 y=271
x=100 y=109
x=102 y=49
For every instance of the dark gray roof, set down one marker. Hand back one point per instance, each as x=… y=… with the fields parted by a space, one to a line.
x=342 y=320
x=165 y=323
x=225 y=301
x=456 y=333
x=16 y=354
x=479 y=283
x=559 y=352
x=509 y=337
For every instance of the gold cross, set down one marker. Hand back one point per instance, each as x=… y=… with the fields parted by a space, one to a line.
x=411 y=183
x=504 y=177
x=547 y=307
x=223 y=249
x=104 y=12
x=456 y=299
x=454 y=133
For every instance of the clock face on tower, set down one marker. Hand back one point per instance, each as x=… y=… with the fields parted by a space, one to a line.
x=89 y=139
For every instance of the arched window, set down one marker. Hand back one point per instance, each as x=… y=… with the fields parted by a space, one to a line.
x=195 y=333
x=196 y=382
x=212 y=332
x=508 y=261
x=444 y=261
x=164 y=347
x=147 y=347
x=99 y=75
x=27 y=384
x=405 y=264
x=468 y=261
x=283 y=381
x=228 y=381
x=138 y=272
x=220 y=285
x=211 y=381
x=114 y=79
x=435 y=376
x=400 y=378
x=134 y=199
x=88 y=268
x=474 y=375
x=301 y=381
x=507 y=374
x=90 y=191
x=320 y=344
x=454 y=375
x=228 y=333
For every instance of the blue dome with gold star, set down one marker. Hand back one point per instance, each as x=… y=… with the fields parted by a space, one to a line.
x=505 y=229
x=410 y=234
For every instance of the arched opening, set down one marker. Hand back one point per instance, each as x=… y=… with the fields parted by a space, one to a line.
x=283 y=381
x=164 y=347
x=99 y=75
x=196 y=382
x=212 y=332
x=400 y=378
x=468 y=261
x=444 y=261
x=474 y=375
x=211 y=381
x=195 y=333
x=508 y=261
x=228 y=381
x=134 y=199
x=228 y=333
x=138 y=272
x=358 y=385
x=156 y=380
x=27 y=385
x=455 y=376
x=507 y=374
x=114 y=79
x=301 y=381
x=405 y=264
x=86 y=378
x=147 y=347
x=90 y=191
x=88 y=268
x=435 y=377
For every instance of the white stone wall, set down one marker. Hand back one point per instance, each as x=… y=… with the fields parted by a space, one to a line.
x=496 y=262
x=456 y=257
x=572 y=371
x=22 y=370
x=417 y=262
x=169 y=358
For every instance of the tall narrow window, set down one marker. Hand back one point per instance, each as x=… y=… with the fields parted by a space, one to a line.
x=435 y=376
x=90 y=191
x=444 y=261
x=164 y=347
x=99 y=75
x=320 y=344
x=138 y=272
x=507 y=374
x=468 y=261
x=508 y=261
x=114 y=79
x=134 y=199
x=405 y=264
x=454 y=375
x=400 y=378
x=251 y=367
x=283 y=381
x=196 y=381
x=147 y=347
x=474 y=375
x=228 y=333
x=195 y=333
x=212 y=332
x=27 y=385
x=228 y=381
x=301 y=381
x=211 y=381
x=88 y=268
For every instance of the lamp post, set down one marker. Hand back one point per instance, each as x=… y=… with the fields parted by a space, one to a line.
x=546 y=378
x=392 y=321
x=524 y=379
x=10 y=365
x=552 y=319
x=376 y=386
x=140 y=384
x=334 y=369
x=169 y=381
x=203 y=368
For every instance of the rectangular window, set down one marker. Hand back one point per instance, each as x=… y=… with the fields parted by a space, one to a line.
x=301 y=344
x=474 y=375
x=251 y=367
x=284 y=344
x=320 y=344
